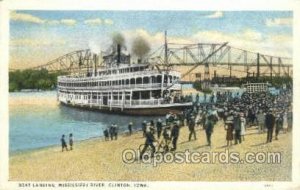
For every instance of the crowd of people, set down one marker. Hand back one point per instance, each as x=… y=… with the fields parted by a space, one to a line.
x=111 y=132
x=263 y=111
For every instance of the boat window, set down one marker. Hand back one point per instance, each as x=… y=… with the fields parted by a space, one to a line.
x=146 y=80
x=153 y=79
x=139 y=80
x=166 y=79
x=132 y=81
x=159 y=79
x=145 y=94
x=135 y=95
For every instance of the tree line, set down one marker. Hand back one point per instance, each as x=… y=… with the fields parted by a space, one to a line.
x=32 y=79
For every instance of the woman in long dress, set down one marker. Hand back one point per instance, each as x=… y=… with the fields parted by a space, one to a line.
x=243 y=126
x=285 y=122
x=229 y=129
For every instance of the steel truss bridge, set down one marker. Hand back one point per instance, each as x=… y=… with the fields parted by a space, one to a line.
x=218 y=55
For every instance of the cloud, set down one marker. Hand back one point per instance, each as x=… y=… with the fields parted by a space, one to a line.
x=217 y=14
x=250 y=34
x=24 y=17
x=93 y=22
x=53 y=22
x=279 y=22
x=29 y=42
x=68 y=22
x=108 y=21
x=98 y=21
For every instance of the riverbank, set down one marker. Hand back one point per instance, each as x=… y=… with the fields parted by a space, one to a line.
x=96 y=159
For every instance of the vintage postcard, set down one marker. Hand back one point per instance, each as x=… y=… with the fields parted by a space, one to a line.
x=99 y=95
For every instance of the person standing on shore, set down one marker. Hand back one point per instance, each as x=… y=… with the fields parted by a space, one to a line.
x=116 y=129
x=209 y=127
x=144 y=125
x=237 y=128
x=63 y=143
x=270 y=120
x=111 y=132
x=175 y=135
x=278 y=125
x=285 y=122
x=106 y=134
x=243 y=126
x=159 y=127
x=71 y=141
x=130 y=128
x=192 y=128
x=229 y=128
x=260 y=121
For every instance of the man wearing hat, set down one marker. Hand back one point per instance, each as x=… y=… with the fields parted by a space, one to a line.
x=269 y=122
x=260 y=121
x=150 y=139
x=237 y=128
x=192 y=128
x=130 y=128
x=209 y=126
x=159 y=127
x=175 y=135
x=144 y=125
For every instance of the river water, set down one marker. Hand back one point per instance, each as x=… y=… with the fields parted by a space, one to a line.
x=36 y=120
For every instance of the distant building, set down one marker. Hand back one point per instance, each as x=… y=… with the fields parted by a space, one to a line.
x=256 y=87
x=224 y=79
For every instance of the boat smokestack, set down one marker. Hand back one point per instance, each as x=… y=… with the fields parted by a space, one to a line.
x=118 y=53
x=95 y=64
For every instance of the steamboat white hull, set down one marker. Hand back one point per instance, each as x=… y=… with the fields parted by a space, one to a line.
x=149 y=110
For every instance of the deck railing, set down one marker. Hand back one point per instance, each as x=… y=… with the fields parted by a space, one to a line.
x=119 y=87
x=121 y=103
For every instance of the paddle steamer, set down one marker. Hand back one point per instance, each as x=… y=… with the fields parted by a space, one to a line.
x=123 y=87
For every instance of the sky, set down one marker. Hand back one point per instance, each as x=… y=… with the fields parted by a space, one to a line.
x=37 y=37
